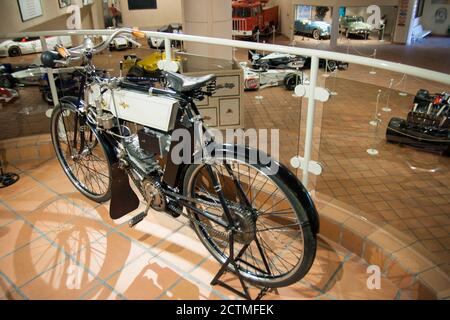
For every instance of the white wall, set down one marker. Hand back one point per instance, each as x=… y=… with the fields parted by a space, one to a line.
x=168 y=11
x=428 y=22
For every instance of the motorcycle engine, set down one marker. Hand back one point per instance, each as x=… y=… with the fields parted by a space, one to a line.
x=141 y=159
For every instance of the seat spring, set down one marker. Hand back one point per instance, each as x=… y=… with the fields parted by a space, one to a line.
x=211 y=87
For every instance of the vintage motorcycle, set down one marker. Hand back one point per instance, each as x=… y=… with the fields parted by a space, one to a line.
x=256 y=219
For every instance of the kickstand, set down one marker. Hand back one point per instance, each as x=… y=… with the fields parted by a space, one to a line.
x=233 y=261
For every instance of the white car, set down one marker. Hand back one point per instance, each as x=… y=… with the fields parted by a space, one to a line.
x=121 y=43
x=26 y=45
x=158 y=43
x=259 y=79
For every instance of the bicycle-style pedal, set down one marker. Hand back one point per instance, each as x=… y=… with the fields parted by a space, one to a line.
x=136 y=219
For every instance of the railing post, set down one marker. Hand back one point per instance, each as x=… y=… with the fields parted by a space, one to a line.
x=51 y=82
x=168 y=48
x=310 y=118
x=43 y=43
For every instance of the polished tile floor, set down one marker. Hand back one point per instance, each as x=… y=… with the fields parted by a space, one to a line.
x=401 y=188
x=56 y=244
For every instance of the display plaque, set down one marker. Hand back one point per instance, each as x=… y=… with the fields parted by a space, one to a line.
x=29 y=9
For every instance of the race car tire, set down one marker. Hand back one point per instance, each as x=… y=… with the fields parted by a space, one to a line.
x=14 y=51
x=7 y=81
x=291 y=81
x=332 y=65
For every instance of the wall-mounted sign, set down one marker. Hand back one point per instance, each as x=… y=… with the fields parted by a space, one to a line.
x=29 y=9
x=402 y=12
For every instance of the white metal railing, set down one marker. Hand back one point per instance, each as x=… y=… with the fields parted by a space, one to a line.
x=313 y=53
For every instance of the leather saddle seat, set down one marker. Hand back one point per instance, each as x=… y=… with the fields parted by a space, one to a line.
x=182 y=83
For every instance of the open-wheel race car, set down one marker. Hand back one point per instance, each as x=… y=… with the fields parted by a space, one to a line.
x=255 y=79
x=427 y=125
x=278 y=60
x=158 y=43
x=275 y=60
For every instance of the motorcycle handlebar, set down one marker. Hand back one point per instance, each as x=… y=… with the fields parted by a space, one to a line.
x=86 y=50
x=102 y=46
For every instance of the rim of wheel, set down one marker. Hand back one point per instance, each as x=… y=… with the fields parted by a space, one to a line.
x=275 y=231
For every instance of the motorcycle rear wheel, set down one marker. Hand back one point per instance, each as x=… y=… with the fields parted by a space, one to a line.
x=280 y=235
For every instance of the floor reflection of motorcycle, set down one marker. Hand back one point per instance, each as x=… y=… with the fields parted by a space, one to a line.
x=427 y=125
x=251 y=213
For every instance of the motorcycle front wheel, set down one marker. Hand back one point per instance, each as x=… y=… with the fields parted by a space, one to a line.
x=80 y=152
x=281 y=242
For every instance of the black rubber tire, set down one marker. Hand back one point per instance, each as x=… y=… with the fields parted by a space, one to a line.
x=309 y=237
x=316 y=34
x=291 y=80
x=14 y=51
x=332 y=65
x=7 y=81
x=53 y=129
x=136 y=71
x=264 y=66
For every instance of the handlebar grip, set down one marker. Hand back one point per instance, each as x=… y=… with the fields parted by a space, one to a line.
x=48 y=58
x=63 y=52
x=138 y=34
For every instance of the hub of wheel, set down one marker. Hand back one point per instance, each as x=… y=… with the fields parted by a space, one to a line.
x=245 y=227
